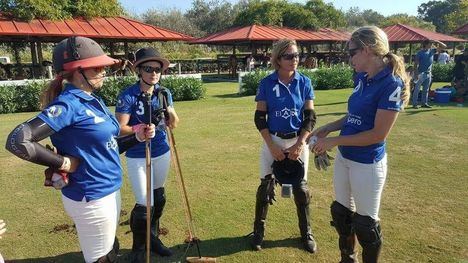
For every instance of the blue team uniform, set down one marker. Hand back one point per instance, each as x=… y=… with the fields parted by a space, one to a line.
x=370 y=94
x=285 y=105
x=129 y=102
x=85 y=128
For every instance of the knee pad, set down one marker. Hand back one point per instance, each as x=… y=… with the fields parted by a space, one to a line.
x=138 y=219
x=301 y=193
x=111 y=257
x=266 y=190
x=367 y=231
x=159 y=199
x=342 y=218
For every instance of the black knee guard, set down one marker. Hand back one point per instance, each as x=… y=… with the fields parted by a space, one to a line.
x=111 y=257
x=266 y=190
x=301 y=194
x=367 y=231
x=342 y=218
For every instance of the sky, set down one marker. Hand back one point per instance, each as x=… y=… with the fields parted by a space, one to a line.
x=385 y=7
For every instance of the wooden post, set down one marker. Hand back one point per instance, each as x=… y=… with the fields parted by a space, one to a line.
x=33 y=59
x=410 y=53
x=112 y=48
x=126 y=49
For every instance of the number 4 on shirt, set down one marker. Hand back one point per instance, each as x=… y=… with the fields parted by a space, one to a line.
x=395 y=96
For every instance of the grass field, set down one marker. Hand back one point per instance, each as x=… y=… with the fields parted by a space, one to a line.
x=424 y=206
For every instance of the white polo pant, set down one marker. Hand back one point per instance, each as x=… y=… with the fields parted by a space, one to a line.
x=359 y=186
x=96 y=223
x=266 y=158
x=136 y=168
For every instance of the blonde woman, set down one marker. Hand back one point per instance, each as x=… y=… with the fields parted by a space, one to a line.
x=380 y=93
x=285 y=117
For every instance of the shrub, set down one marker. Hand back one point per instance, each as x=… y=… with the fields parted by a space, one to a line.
x=442 y=73
x=112 y=87
x=7 y=99
x=28 y=97
x=251 y=82
x=184 y=88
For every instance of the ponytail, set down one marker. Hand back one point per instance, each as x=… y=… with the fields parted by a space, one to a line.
x=398 y=66
x=52 y=90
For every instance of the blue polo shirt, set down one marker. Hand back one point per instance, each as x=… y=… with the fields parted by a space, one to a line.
x=425 y=59
x=129 y=102
x=285 y=104
x=370 y=94
x=85 y=128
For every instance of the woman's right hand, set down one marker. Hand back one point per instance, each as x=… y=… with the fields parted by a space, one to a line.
x=277 y=152
x=321 y=132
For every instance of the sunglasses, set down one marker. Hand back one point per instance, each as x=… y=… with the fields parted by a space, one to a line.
x=290 y=56
x=353 y=51
x=149 y=69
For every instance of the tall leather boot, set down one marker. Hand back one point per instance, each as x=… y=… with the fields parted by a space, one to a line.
x=261 y=209
x=138 y=227
x=342 y=221
x=159 y=201
x=302 y=200
x=369 y=234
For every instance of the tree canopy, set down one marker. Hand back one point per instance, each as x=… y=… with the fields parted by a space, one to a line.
x=59 y=9
x=446 y=15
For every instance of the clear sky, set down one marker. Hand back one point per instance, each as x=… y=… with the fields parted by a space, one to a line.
x=384 y=7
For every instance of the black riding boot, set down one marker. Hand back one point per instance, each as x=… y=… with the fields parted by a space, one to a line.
x=302 y=200
x=342 y=221
x=261 y=209
x=159 y=199
x=138 y=227
x=370 y=237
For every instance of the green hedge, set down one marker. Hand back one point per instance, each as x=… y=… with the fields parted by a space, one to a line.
x=26 y=98
x=442 y=73
x=336 y=77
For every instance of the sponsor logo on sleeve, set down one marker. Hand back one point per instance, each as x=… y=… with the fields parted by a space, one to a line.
x=54 y=111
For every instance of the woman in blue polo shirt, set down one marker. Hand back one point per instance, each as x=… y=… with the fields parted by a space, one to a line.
x=86 y=164
x=381 y=91
x=149 y=65
x=284 y=117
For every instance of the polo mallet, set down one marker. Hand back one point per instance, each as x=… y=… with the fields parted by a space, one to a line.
x=147 y=119
x=188 y=214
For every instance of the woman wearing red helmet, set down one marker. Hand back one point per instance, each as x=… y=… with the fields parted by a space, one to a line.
x=86 y=165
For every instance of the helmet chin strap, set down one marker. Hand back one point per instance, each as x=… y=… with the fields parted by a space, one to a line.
x=87 y=80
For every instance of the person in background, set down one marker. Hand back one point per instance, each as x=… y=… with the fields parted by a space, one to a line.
x=85 y=164
x=423 y=71
x=444 y=57
x=149 y=65
x=381 y=92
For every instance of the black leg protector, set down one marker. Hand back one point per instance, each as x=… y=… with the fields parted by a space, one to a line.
x=370 y=237
x=159 y=201
x=342 y=221
x=261 y=209
x=138 y=227
x=302 y=200
x=111 y=257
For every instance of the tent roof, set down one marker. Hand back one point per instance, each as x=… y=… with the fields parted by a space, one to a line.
x=268 y=34
x=404 y=33
x=463 y=30
x=101 y=29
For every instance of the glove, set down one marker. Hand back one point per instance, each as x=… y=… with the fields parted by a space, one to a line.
x=271 y=189
x=55 y=178
x=322 y=161
x=312 y=141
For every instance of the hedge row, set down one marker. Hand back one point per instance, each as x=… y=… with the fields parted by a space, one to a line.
x=26 y=98
x=335 y=77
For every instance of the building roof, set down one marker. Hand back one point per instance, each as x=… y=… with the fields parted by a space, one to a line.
x=408 y=34
x=100 y=29
x=268 y=34
x=463 y=30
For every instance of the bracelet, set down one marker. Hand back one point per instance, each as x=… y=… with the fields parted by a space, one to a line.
x=66 y=165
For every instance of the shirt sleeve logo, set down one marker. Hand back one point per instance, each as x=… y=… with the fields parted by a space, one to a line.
x=54 y=111
x=120 y=103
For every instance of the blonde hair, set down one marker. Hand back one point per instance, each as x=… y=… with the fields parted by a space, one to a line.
x=376 y=39
x=279 y=48
x=53 y=89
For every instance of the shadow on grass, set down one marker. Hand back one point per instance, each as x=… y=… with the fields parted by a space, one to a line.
x=411 y=111
x=229 y=96
x=333 y=103
x=333 y=114
x=68 y=257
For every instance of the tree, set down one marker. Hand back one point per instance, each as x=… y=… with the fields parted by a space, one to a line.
x=212 y=16
x=59 y=9
x=443 y=14
x=407 y=20
x=172 y=19
x=327 y=15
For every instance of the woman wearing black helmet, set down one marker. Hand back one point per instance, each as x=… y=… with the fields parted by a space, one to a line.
x=149 y=65
x=85 y=165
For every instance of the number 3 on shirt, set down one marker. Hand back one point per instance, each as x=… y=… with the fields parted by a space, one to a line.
x=395 y=96
x=141 y=109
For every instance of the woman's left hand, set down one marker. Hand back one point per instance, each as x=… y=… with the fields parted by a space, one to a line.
x=295 y=151
x=323 y=144
x=146 y=132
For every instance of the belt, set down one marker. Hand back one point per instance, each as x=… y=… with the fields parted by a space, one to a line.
x=286 y=135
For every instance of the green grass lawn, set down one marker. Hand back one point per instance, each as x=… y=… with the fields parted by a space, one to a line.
x=424 y=206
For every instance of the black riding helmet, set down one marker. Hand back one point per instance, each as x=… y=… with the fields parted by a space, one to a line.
x=150 y=54
x=288 y=171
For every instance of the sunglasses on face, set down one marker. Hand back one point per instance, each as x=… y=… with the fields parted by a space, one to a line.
x=290 y=56
x=353 y=51
x=149 y=69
